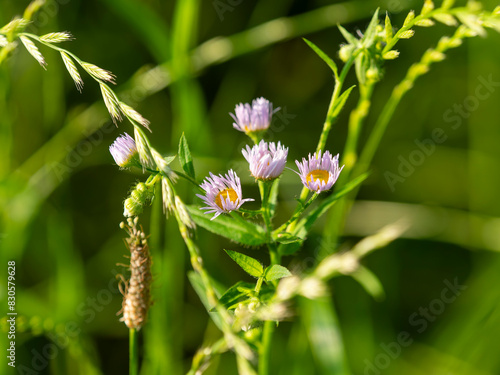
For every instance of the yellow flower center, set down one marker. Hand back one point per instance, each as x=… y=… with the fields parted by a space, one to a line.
x=318 y=174
x=223 y=195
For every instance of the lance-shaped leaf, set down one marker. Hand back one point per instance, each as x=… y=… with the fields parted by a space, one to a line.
x=248 y=264
x=388 y=29
x=371 y=30
x=348 y=36
x=341 y=102
x=240 y=231
x=185 y=157
x=324 y=57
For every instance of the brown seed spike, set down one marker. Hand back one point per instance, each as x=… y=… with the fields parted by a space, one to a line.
x=137 y=297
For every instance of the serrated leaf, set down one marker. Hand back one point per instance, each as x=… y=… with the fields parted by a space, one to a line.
x=324 y=57
x=286 y=238
x=185 y=157
x=371 y=30
x=425 y=23
x=235 y=293
x=409 y=18
x=406 y=34
x=248 y=264
x=243 y=232
x=388 y=29
x=391 y=55
x=348 y=36
x=276 y=272
x=445 y=18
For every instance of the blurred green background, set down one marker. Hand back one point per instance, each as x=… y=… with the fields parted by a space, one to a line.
x=184 y=65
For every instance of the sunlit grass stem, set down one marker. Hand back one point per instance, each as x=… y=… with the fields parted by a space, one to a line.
x=133 y=352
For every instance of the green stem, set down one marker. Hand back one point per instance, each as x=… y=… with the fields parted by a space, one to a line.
x=330 y=118
x=265 y=192
x=133 y=352
x=290 y=224
x=335 y=222
x=265 y=348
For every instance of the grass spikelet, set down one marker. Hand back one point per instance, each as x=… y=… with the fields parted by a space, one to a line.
x=111 y=102
x=132 y=114
x=99 y=73
x=137 y=297
x=14 y=26
x=33 y=50
x=72 y=70
x=57 y=37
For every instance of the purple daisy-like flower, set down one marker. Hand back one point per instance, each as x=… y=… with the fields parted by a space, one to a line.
x=124 y=151
x=222 y=193
x=266 y=160
x=319 y=173
x=252 y=118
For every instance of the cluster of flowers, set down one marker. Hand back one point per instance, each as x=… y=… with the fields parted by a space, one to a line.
x=266 y=161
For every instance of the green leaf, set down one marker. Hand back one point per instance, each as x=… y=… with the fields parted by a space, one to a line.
x=371 y=30
x=341 y=101
x=235 y=293
x=185 y=157
x=169 y=159
x=276 y=272
x=324 y=335
x=286 y=238
x=238 y=230
x=314 y=215
x=348 y=36
x=388 y=29
x=199 y=288
x=249 y=265
x=324 y=57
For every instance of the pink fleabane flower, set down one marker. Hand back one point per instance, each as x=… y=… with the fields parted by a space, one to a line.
x=266 y=160
x=319 y=173
x=222 y=193
x=253 y=118
x=124 y=151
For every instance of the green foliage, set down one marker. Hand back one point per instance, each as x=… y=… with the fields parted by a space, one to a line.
x=185 y=157
x=287 y=222
x=248 y=264
x=276 y=272
x=243 y=232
